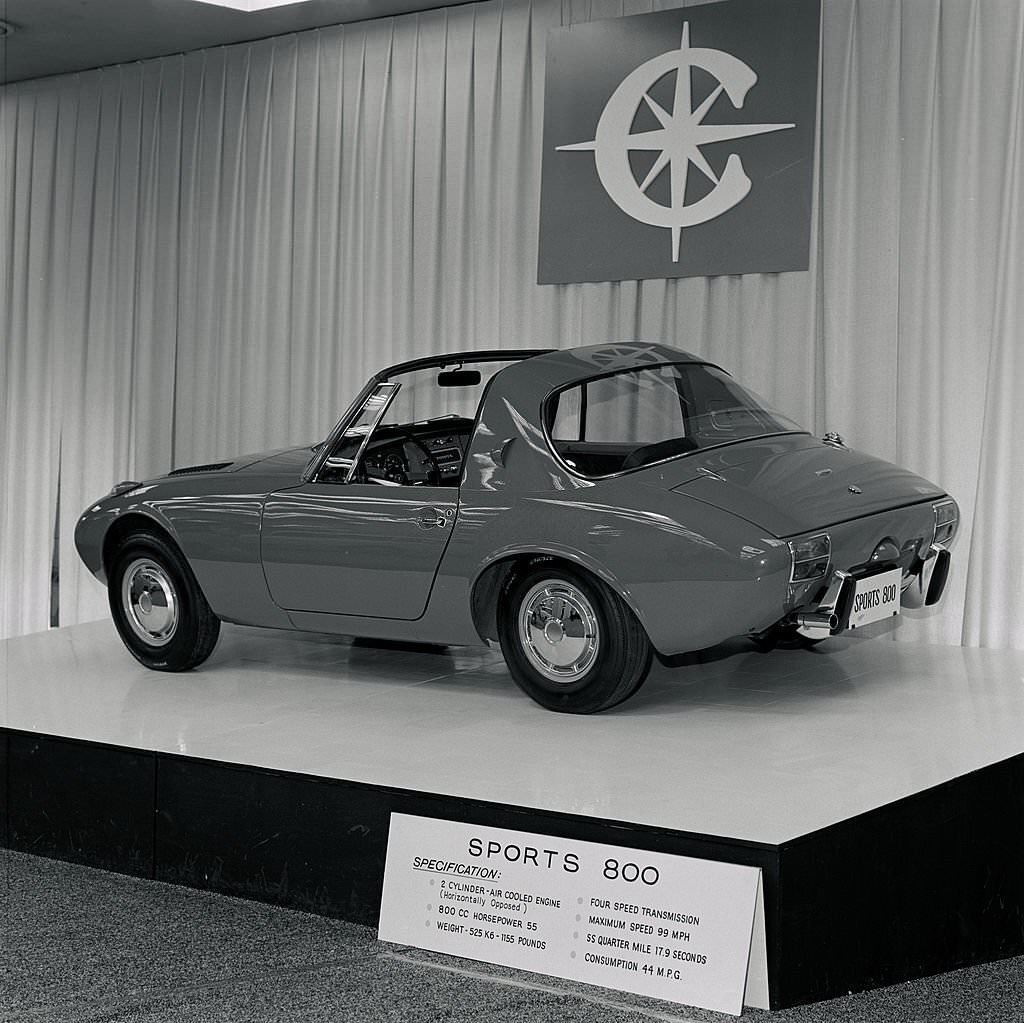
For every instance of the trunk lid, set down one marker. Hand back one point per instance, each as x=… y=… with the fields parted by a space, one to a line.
x=795 y=483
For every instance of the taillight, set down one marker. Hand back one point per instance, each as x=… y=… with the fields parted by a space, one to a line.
x=810 y=558
x=947 y=518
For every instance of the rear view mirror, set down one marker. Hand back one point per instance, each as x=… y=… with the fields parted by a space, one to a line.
x=458 y=378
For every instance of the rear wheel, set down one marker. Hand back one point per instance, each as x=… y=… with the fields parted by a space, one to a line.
x=158 y=609
x=570 y=642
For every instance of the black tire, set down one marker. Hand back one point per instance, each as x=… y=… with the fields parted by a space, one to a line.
x=606 y=656
x=158 y=609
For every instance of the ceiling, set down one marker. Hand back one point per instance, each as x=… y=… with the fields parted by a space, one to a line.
x=51 y=37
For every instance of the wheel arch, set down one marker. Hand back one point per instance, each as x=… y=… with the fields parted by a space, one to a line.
x=498 y=575
x=134 y=522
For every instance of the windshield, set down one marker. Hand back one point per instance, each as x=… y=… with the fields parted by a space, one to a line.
x=615 y=423
x=412 y=429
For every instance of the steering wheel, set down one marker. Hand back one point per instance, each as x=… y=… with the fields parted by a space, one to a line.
x=364 y=474
x=434 y=473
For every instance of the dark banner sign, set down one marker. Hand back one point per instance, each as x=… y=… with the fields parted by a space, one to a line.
x=680 y=143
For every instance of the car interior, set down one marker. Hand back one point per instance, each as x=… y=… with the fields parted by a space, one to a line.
x=429 y=453
x=413 y=430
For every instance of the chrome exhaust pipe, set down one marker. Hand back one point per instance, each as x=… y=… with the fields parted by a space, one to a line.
x=817 y=626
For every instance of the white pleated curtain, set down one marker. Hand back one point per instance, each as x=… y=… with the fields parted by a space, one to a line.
x=207 y=254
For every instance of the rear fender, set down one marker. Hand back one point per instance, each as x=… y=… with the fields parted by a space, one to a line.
x=499 y=571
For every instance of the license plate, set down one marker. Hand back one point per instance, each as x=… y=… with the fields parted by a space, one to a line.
x=876 y=597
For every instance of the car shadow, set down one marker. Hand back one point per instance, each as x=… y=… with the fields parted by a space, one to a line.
x=738 y=674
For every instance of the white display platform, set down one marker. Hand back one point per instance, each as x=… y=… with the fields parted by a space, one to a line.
x=742 y=745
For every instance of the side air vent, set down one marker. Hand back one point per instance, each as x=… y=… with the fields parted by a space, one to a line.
x=210 y=467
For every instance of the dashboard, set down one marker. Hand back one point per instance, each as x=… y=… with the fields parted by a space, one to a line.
x=429 y=453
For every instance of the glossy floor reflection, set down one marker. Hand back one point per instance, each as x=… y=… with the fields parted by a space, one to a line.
x=763 y=747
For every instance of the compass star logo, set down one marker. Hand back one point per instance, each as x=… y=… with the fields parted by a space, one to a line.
x=677 y=141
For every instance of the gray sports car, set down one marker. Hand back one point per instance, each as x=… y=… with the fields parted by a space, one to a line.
x=586 y=508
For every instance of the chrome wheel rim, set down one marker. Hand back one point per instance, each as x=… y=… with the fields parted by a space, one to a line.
x=558 y=630
x=150 y=602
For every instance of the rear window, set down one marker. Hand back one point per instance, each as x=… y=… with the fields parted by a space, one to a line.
x=611 y=424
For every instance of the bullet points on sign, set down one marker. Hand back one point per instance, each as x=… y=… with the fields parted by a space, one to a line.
x=577 y=917
x=572 y=955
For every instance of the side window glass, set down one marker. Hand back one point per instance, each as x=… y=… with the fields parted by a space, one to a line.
x=567 y=415
x=634 y=418
x=642 y=407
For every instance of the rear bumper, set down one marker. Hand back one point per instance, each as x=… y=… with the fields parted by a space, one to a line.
x=922 y=586
x=928 y=584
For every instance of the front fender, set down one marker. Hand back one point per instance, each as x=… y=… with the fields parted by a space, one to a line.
x=216 y=526
x=103 y=522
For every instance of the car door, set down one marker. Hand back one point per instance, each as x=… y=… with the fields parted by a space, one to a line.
x=356 y=548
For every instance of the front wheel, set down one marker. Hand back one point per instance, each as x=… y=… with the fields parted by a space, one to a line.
x=570 y=642
x=158 y=609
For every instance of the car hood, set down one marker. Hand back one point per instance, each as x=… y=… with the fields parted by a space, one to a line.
x=795 y=483
x=284 y=463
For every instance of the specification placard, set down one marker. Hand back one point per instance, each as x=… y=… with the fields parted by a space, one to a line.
x=674 y=927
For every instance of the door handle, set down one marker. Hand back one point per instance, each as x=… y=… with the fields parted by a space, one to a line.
x=430 y=518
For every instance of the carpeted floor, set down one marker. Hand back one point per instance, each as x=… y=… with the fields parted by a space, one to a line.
x=86 y=946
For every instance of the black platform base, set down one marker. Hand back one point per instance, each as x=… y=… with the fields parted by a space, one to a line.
x=923 y=885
